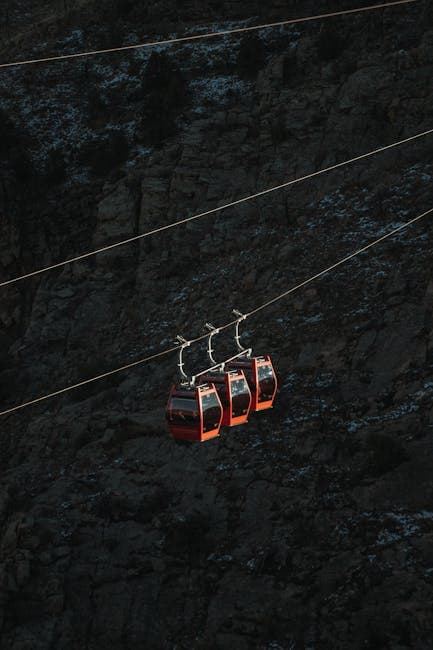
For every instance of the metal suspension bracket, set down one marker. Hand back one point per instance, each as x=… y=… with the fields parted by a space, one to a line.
x=241 y=318
x=212 y=331
x=183 y=344
x=220 y=367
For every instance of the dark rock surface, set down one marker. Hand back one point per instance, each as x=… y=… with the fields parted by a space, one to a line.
x=312 y=526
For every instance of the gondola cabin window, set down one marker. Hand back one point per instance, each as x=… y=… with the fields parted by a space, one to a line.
x=211 y=411
x=241 y=397
x=266 y=382
x=184 y=411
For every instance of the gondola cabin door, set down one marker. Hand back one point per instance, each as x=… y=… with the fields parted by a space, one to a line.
x=194 y=413
x=234 y=393
x=261 y=378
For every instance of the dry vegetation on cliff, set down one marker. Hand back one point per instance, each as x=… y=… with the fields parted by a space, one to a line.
x=310 y=527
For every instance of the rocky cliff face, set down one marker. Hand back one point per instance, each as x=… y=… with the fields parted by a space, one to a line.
x=311 y=526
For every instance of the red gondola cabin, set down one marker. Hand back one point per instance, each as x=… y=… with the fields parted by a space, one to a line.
x=261 y=378
x=194 y=413
x=234 y=393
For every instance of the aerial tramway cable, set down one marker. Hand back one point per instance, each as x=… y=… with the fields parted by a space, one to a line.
x=232 y=204
x=196 y=37
x=227 y=325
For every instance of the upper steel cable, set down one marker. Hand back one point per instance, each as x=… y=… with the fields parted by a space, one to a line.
x=174 y=224
x=227 y=325
x=196 y=37
x=339 y=263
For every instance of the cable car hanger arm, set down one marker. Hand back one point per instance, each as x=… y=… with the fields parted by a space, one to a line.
x=191 y=381
x=239 y=345
x=213 y=330
x=183 y=344
x=220 y=366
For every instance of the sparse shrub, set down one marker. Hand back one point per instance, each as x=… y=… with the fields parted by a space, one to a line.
x=254 y=130
x=165 y=94
x=279 y=130
x=385 y=453
x=187 y=535
x=6 y=394
x=82 y=439
x=376 y=634
x=104 y=156
x=330 y=45
x=303 y=531
x=97 y=109
x=10 y=383
x=275 y=563
x=18 y=500
x=21 y=166
x=13 y=149
x=251 y=57
x=103 y=506
x=55 y=167
x=217 y=5
x=395 y=249
x=379 y=114
x=152 y=504
x=9 y=136
x=289 y=67
x=124 y=7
